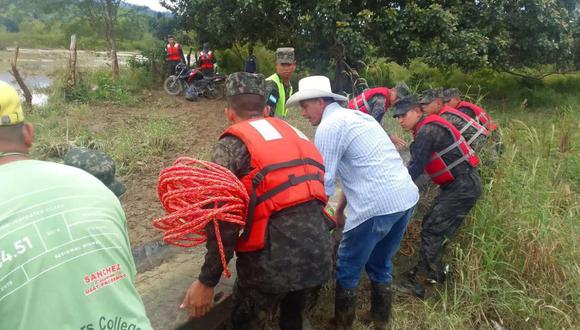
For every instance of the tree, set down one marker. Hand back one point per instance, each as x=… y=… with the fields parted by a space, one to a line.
x=103 y=13
x=506 y=35
x=321 y=32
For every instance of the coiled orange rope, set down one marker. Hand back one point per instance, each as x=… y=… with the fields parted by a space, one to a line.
x=195 y=193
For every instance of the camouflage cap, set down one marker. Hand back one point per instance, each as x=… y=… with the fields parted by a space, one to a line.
x=10 y=107
x=285 y=55
x=430 y=95
x=245 y=83
x=97 y=163
x=450 y=93
x=405 y=104
x=402 y=90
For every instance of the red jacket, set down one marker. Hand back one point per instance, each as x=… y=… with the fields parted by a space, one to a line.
x=287 y=170
x=206 y=59
x=174 y=52
x=480 y=115
x=437 y=169
x=468 y=123
x=360 y=102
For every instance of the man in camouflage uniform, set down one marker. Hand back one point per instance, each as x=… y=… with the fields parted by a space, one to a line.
x=491 y=150
x=450 y=207
x=433 y=102
x=97 y=163
x=278 y=86
x=297 y=256
x=379 y=104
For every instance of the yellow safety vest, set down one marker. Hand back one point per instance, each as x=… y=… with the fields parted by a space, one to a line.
x=281 y=110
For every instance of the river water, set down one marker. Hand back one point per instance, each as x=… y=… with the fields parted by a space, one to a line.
x=38 y=67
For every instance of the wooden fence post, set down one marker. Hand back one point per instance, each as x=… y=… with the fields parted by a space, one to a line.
x=72 y=63
x=19 y=80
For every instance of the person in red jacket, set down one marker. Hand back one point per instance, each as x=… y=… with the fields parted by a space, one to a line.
x=377 y=101
x=493 y=146
x=475 y=134
x=284 y=253
x=206 y=60
x=453 y=99
x=174 y=55
x=438 y=150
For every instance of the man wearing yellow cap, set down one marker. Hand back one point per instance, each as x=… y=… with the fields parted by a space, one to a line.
x=65 y=258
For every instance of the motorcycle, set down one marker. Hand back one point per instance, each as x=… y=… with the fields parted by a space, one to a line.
x=184 y=78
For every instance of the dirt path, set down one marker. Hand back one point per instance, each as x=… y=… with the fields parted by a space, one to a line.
x=202 y=123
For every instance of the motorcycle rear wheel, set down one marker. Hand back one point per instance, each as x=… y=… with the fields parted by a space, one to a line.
x=173 y=86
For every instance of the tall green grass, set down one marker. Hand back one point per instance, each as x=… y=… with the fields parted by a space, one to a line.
x=517 y=259
x=97 y=86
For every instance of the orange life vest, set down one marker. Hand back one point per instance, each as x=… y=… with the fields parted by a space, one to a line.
x=480 y=115
x=173 y=53
x=206 y=60
x=360 y=102
x=468 y=124
x=437 y=169
x=287 y=170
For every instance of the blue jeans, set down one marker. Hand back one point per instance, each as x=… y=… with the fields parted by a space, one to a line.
x=372 y=244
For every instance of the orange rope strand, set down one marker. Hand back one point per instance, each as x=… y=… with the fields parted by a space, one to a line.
x=195 y=193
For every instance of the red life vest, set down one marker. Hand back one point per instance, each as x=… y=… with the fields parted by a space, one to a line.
x=480 y=115
x=287 y=170
x=468 y=123
x=206 y=60
x=437 y=169
x=360 y=102
x=173 y=53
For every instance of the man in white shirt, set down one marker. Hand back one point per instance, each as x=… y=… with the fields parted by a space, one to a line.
x=377 y=187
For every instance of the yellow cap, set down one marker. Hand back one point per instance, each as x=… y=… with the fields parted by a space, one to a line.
x=10 y=108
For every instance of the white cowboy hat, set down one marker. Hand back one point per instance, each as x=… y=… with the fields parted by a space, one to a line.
x=311 y=88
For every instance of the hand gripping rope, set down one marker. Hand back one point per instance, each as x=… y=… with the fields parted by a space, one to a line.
x=195 y=193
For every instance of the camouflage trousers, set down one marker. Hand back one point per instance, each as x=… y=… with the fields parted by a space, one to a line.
x=444 y=218
x=253 y=308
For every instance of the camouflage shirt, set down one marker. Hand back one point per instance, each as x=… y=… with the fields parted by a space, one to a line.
x=378 y=107
x=468 y=134
x=298 y=251
x=467 y=111
x=433 y=138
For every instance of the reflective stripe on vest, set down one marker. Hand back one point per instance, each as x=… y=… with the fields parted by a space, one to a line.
x=360 y=102
x=480 y=115
x=281 y=110
x=292 y=175
x=468 y=123
x=437 y=168
x=173 y=53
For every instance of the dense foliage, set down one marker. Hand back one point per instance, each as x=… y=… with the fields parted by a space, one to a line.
x=504 y=35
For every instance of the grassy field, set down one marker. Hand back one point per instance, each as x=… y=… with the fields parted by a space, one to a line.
x=515 y=261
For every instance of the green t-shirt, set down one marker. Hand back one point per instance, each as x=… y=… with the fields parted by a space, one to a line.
x=65 y=257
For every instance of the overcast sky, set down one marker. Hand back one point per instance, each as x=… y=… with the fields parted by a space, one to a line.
x=153 y=4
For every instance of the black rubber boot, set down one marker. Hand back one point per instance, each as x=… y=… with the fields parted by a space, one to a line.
x=381 y=304
x=408 y=284
x=344 y=307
